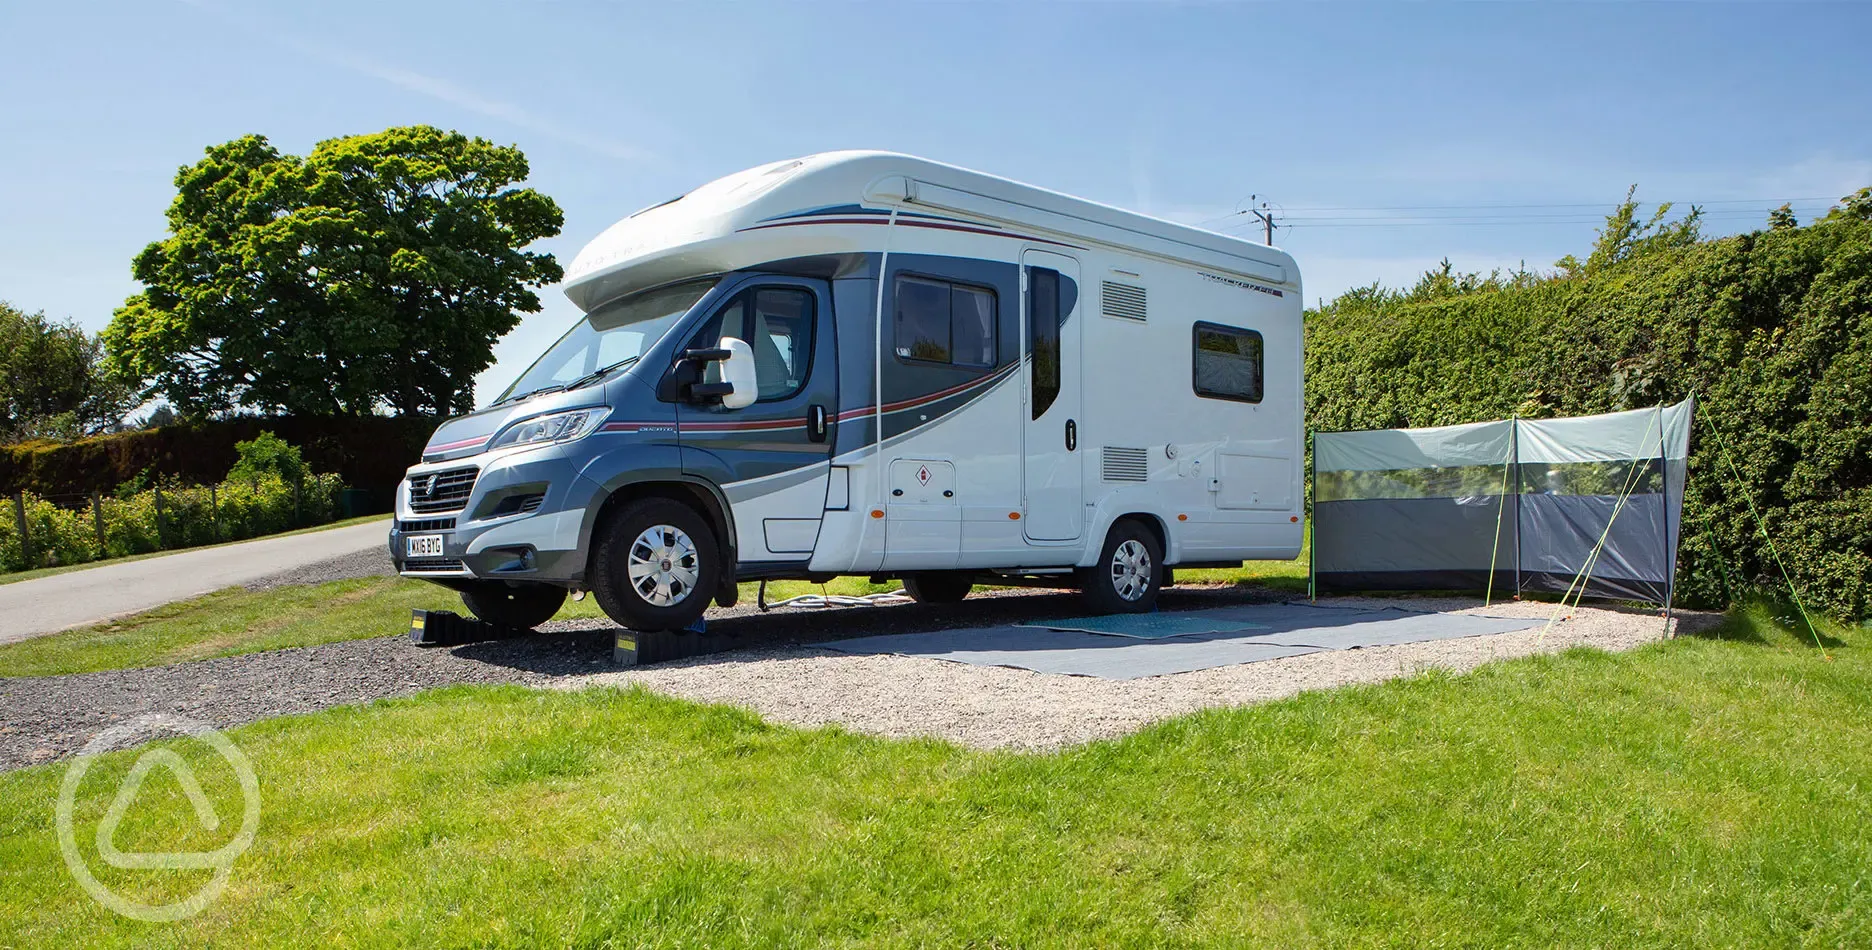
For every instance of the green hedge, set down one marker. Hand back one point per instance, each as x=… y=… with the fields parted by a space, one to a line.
x=367 y=452
x=230 y=511
x=1773 y=330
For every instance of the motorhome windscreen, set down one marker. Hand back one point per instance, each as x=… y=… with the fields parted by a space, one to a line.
x=620 y=330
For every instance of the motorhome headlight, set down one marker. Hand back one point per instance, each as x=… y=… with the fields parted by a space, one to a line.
x=558 y=427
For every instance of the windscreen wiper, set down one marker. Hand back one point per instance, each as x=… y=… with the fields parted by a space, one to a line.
x=529 y=394
x=599 y=373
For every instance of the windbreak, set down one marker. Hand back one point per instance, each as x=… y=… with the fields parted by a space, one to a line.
x=1585 y=503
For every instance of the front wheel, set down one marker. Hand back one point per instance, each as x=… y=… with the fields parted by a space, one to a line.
x=656 y=566
x=1126 y=578
x=519 y=606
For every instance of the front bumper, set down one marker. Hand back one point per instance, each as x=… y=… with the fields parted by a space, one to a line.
x=522 y=519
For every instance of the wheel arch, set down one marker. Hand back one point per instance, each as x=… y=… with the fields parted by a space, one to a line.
x=697 y=493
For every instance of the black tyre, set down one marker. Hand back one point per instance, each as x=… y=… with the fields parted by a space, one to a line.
x=656 y=566
x=938 y=587
x=1128 y=574
x=520 y=606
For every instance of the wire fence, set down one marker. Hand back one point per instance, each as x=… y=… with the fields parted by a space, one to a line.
x=62 y=529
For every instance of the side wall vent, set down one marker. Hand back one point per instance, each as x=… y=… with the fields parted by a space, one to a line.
x=1124 y=465
x=1124 y=301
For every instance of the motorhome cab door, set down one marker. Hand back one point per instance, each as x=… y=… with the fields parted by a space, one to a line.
x=1050 y=477
x=771 y=458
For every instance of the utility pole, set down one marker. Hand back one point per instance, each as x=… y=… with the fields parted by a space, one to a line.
x=1266 y=215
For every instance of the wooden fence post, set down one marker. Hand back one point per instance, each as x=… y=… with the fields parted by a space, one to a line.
x=214 y=514
x=19 y=516
x=298 y=505
x=159 y=517
x=97 y=516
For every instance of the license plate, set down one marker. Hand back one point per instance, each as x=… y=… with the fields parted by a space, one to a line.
x=422 y=545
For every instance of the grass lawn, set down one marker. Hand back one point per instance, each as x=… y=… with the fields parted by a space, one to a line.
x=38 y=572
x=1700 y=792
x=236 y=621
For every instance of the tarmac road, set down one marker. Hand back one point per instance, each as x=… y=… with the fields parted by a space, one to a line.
x=76 y=598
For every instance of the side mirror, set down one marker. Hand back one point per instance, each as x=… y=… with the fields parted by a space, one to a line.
x=737 y=371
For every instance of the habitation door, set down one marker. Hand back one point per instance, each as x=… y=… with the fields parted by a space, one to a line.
x=1050 y=477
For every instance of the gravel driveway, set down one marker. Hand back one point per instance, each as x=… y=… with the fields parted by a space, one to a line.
x=781 y=674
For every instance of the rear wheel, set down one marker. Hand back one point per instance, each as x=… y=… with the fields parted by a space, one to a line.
x=938 y=587
x=656 y=566
x=520 y=606
x=1128 y=573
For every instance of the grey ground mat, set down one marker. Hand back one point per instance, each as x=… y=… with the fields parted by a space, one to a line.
x=1388 y=627
x=1152 y=626
x=1069 y=651
x=1222 y=637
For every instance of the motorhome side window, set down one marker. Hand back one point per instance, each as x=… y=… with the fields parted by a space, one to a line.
x=942 y=322
x=1227 y=363
x=777 y=323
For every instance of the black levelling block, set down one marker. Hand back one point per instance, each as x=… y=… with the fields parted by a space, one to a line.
x=636 y=648
x=445 y=628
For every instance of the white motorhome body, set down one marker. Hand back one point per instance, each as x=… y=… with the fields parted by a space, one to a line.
x=974 y=375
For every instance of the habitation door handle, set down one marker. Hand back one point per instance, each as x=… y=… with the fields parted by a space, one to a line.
x=1072 y=435
x=816 y=423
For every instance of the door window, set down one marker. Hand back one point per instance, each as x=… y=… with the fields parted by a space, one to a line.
x=1043 y=330
x=777 y=324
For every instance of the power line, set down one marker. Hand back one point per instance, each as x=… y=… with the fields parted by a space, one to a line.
x=1587 y=204
x=1719 y=212
x=1413 y=221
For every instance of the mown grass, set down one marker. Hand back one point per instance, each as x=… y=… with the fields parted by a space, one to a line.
x=235 y=621
x=38 y=572
x=1700 y=792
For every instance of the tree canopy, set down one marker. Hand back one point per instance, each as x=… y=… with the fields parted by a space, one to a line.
x=53 y=381
x=375 y=272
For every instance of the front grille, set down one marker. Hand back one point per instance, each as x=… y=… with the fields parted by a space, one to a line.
x=438 y=564
x=1119 y=464
x=435 y=492
x=433 y=524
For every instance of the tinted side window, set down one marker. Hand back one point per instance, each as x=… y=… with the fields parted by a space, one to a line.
x=940 y=322
x=1043 y=325
x=1227 y=363
x=923 y=320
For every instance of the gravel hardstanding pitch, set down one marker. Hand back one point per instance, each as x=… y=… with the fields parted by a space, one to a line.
x=780 y=675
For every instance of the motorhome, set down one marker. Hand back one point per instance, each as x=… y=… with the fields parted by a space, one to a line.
x=873 y=364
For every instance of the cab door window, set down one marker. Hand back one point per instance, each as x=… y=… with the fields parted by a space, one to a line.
x=777 y=324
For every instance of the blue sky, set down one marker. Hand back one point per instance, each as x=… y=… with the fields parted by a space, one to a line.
x=1391 y=135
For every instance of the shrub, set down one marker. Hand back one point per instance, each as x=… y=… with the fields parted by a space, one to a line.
x=267 y=456
x=188 y=516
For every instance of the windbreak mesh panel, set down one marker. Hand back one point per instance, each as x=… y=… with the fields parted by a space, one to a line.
x=1586 y=503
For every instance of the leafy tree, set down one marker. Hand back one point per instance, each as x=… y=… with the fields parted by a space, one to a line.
x=376 y=271
x=53 y=380
x=1783 y=218
x=1623 y=237
x=267 y=456
x=1857 y=205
